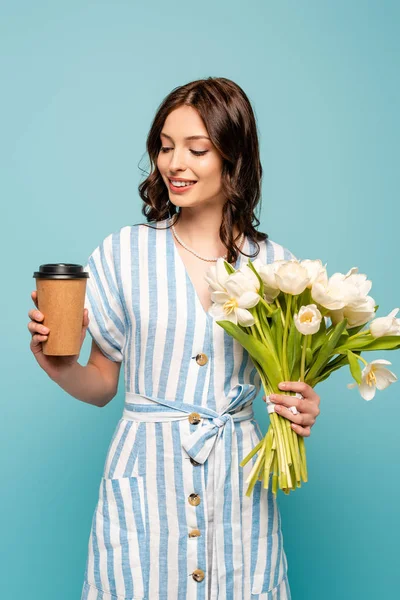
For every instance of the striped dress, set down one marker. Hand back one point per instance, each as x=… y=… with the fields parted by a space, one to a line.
x=172 y=521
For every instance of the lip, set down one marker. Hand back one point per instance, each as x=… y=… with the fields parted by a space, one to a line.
x=179 y=179
x=182 y=189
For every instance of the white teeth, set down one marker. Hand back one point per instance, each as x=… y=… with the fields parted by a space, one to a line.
x=182 y=183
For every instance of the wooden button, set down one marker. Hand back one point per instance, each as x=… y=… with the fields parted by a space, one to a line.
x=194 y=418
x=194 y=499
x=201 y=359
x=198 y=575
x=194 y=462
x=194 y=533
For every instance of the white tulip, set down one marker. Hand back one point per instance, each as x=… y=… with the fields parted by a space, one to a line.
x=359 y=313
x=308 y=319
x=246 y=271
x=292 y=278
x=362 y=285
x=385 y=325
x=374 y=376
x=315 y=269
x=232 y=304
x=333 y=293
x=217 y=275
x=267 y=274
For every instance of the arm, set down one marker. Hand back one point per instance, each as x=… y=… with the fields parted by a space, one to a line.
x=96 y=383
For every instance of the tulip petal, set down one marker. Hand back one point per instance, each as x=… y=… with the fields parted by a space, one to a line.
x=244 y=317
x=216 y=310
x=380 y=361
x=367 y=391
x=384 y=379
x=219 y=297
x=248 y=300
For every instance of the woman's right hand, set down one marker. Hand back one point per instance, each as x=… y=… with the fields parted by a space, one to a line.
x=53 y=365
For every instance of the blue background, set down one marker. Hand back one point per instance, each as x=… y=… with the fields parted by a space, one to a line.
x=81 y=82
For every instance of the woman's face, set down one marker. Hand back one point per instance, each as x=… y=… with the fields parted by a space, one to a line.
x=189 y=159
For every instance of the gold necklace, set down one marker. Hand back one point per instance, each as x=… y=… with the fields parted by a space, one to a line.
x=241 y=240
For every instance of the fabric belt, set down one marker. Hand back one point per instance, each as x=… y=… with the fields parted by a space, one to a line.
x=218 y=432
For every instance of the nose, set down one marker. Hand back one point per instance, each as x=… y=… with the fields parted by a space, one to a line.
x=176 y=162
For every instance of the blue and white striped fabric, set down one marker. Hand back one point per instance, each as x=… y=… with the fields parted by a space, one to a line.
x=148 y=540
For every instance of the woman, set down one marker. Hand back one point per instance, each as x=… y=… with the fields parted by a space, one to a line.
x=172 y=519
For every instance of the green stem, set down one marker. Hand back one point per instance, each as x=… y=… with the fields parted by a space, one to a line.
x=259 y=328
x=366 y=331
x=288 y=457
x=295 y=452
x=267 y=336
x=285 y=337
x=303 y=356
x=362 y=359
x=267 y=306
x=303 y=463
x=282 y=315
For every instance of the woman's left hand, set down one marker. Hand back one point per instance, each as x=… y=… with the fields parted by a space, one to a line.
x=308 y=406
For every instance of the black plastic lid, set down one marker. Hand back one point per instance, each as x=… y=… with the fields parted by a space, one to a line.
x=61 y=271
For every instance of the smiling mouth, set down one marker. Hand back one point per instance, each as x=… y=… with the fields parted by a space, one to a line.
x=181 y=187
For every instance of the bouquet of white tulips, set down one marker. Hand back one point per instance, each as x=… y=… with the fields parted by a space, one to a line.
x=279 y=313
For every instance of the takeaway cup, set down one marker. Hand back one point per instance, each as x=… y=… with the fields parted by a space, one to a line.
x=61 y=289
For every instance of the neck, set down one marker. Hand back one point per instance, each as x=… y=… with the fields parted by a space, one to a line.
x=201 y=231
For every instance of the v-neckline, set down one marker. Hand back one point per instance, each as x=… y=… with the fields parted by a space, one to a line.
x=191 y=284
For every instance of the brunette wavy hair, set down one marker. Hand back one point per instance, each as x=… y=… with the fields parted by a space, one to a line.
x=230 y=122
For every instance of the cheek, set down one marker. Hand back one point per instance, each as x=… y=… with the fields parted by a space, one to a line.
x=209 y=170
x=160 y=162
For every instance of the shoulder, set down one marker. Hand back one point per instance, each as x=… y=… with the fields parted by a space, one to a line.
x=270 y=250
x=127 y=240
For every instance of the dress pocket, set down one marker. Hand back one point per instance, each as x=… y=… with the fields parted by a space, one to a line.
x=119 y=540
x=271 y=565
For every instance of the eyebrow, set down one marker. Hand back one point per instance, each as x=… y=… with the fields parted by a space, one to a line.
x=190 y=137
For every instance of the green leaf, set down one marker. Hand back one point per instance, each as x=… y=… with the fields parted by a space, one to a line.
x=327 y=349
x=318 y=338
x=252 y=267
x=257 y=350
x=368 y=343
x=309 y=356
x=277 y=331
x=230 y=268
x=354 y=365
x=353 y=330
x=294 y=352
x=329 y=369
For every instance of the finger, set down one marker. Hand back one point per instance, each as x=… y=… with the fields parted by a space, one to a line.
x=302 y=419
x=35 y=315
x=34 y=297
x=287 y=401
x=38 y=339
x=37 y=328
x=303 y=431
x=299 y=386
x=303 y=405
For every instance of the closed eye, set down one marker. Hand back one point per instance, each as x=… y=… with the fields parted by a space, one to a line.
x=164 y=150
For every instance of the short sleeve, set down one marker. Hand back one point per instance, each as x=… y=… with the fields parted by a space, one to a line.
x=107 y=321
x=289 y=255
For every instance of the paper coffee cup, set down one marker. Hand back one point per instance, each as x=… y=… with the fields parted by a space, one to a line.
x=61 y=289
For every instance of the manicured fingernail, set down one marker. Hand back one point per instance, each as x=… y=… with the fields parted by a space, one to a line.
x=282 y=385
x=278 y=408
